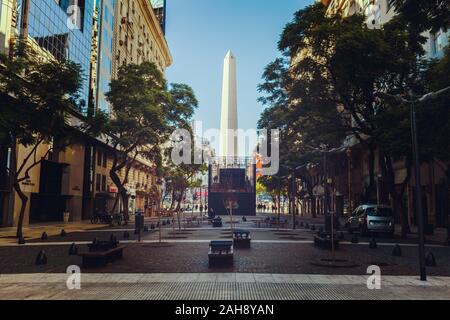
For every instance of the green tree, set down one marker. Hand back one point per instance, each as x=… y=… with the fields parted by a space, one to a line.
x=143 y=119
x=37 y=99
x=335 y=86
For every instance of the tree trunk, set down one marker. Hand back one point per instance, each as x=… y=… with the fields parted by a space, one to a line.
x=125 y=200
x=398 y=207
x=122 y=193
x=313 y=206
x=172 y=201
x=371 y=187
x=180 y=199
x=23 y=204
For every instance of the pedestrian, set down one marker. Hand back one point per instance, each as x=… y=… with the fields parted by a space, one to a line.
x=201 y=208
x=211 y=213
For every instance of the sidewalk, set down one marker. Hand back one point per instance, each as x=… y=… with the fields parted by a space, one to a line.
x=439 y=236
x=34 y=231
x=221 y=286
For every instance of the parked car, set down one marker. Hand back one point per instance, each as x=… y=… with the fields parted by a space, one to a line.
x=372 y=218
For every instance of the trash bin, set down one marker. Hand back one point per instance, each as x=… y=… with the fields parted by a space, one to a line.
x=139 y=224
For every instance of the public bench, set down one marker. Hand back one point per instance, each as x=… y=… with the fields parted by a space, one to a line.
x=220 y=253
x=101 y=252
x=260 y=222
x=276 y=223
x=217 y=223
x=241 y=239
x=324 y=241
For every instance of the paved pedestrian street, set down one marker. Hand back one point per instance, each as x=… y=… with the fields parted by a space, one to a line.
x=282 y=264
x=220 y=286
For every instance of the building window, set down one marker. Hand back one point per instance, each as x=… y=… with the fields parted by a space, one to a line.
x=99 y=158
x=98 y=178
x=105 y=159
x=103 y=183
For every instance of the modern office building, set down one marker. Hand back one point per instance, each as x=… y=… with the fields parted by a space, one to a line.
x=63 y=28
x=105 y=24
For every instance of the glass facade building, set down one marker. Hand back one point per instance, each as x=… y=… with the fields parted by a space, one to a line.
x=63 y=28
x=105 y=52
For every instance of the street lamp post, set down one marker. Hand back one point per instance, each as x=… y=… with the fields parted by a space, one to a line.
x=349 y=177
x=293 y=170
x=279 y=198
x=419 y=213
x=415 y=148
x=159 y=182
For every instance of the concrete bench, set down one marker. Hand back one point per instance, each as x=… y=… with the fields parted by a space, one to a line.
x=101 y=258
x=217 y=223
x=241 y=239
x=324 y=241
x=220 y=253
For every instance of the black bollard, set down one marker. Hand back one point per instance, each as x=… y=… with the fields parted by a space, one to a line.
x=145 y=228
x=373 y=244
x=341 y=236
x=430 y=260
x=113 y=238
x=94 y=241
x=73 y=250
x=307 y=226
x=63 y=233
x=44 y=236
x=21 y=240
x=397 y=251
x=302 y=224
x=41 y=258
x=152 y=226
x=126 y=235
x=355 y=238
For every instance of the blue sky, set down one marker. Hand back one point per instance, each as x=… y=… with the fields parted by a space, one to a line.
x=199 y=34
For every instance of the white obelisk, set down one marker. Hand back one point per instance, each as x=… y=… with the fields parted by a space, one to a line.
x=228 y=120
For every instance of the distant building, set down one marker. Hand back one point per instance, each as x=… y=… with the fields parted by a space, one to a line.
x=105 y=35
x=159 y=6
x=436 y=42
x=100 y=35
x=138 y=36
x=63 y=31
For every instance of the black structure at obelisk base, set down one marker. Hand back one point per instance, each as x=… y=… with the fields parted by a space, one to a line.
x=232 y=178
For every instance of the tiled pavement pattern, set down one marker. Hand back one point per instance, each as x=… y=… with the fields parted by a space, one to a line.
x=263 y=257
x=223 y=286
